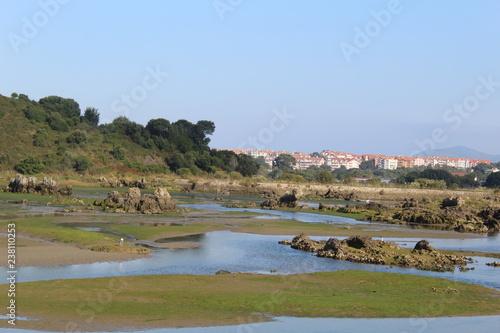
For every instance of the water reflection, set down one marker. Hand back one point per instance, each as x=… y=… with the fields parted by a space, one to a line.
x=237 y=252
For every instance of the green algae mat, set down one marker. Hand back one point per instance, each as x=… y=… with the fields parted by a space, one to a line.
x=118 y=303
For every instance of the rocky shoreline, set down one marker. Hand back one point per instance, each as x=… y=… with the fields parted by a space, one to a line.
x=369 y=251
x=451 y=213
x=134 y=202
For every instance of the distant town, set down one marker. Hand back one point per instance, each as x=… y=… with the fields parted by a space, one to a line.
x=337 y=159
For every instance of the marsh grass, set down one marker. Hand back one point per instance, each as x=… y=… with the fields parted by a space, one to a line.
x=201 y=300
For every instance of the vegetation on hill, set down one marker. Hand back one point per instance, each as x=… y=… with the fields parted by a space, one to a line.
x=53 y=136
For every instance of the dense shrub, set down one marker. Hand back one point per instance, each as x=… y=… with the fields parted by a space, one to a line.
x=290 y=177
x=29 y=166
x=184 y=172
x=77 y=138
x=324 y=177
x=40 y=138
x=35 y=114
x=82 y=163
x=118 y=152
x=57 y=123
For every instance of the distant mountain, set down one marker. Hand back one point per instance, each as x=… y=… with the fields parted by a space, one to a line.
x=461 y=152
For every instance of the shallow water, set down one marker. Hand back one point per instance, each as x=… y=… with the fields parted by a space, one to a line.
x=248 y=253
x=238 y=252
x=294 y=216
x=339 y=325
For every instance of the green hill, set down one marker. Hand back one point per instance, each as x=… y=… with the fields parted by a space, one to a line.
x=53 y=136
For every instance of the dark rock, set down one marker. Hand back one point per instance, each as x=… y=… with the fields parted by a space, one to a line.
x=333 y=194
x=133 y=201
x=423 y=245
x=452 y=202
x=47 y=186
x=304 y=243
x=289 y=200
x=359 y=242
x=368 y=251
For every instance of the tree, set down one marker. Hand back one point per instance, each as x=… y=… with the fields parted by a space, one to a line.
x=493 y=180
x=262 y=163
x=367 y=165
x=91 y=116
x=67 y=107
x=247 y=166
x=324 y=177
x=159 y=127
x=482 y=167
x=437 y=174
x=200 y=132
x=285 y=163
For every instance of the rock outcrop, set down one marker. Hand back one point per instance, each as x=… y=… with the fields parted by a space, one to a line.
x=113 y=183
x=423 y=246
x=452 y=202
x=134 y=202
x=369 y=251
x=338 y=195
x=289 y=200
x=47 y=186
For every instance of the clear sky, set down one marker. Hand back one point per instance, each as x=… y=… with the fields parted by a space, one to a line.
x=389 y=77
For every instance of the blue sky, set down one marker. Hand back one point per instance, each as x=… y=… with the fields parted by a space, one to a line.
x=388 y=77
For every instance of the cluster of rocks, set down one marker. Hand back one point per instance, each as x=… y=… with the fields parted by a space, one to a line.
x=369 y=251
x=47 y=186
x=450 y=214
x=134 y=202
x=289 y=200
x=337 y=195
x=140 y=183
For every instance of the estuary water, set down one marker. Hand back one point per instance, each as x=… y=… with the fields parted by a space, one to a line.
x=249 y=253
x=341 y=325
x=239 y=252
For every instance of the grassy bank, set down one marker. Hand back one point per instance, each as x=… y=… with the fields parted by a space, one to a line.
x=117 y=303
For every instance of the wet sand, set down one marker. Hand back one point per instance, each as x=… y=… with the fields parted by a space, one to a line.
x=37 y=252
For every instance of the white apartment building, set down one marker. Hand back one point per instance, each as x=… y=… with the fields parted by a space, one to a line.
x=390 y=164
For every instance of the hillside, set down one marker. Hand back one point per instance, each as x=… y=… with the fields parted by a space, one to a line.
x=53 y=136
x=23 y=138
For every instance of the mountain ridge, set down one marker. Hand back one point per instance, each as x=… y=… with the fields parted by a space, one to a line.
x=461 y=152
